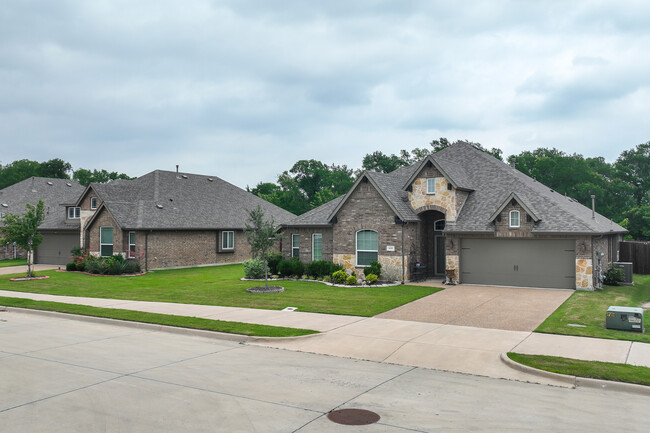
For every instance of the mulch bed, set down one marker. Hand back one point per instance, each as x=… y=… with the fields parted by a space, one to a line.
x=264 y=289
x=44 y=277
x=100 y=275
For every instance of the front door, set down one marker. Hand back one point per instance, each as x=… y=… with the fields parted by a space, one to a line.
x=440 y=255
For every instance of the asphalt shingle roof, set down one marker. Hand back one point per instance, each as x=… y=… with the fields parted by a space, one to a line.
x=55 y=193
x=166 y=200
x=490 y=183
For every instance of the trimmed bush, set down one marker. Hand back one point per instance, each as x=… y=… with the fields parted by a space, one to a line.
x=371 y=278
x=71 y=266
x=272 y=260
x=339 y=277
x=613 y=276
x=321 y=268
x=351 y=281
x=374 y=268
x=291 y=267
x=254 y=269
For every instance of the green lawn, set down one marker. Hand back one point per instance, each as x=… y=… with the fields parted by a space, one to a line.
x=12 y=262
x=592 y=369
x=221 y=285
x=588 y=309
x=159 y=319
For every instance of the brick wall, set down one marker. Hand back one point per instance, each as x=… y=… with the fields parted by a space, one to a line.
x=306 y=242
x=503 y=229
x=91 y=241
x=7 y=252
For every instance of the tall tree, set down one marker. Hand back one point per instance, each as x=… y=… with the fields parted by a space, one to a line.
x=56 y=168
x=633 y=166
x=86 y=177
x=23 y=231
x=18 y=171
x=382 y=163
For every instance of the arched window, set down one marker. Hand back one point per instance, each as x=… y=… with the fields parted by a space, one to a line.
x=439 y=225
x=367 y=247
x=514 y=218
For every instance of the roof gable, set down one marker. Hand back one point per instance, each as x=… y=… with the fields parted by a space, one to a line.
x=452 y=171
x=511 y=197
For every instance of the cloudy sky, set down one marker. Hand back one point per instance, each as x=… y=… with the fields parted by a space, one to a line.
x=243 y=89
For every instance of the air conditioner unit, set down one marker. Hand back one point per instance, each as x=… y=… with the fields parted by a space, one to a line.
x=627 y=272
x=624 y=318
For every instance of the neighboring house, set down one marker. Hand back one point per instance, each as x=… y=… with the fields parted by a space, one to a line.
x=462 y=214
x=170 y=219
x=60 y=228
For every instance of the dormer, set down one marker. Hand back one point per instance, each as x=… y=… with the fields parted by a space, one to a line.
x=514 y=217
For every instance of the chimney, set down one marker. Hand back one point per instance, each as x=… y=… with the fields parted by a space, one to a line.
x=176 y=168
x=593 y=206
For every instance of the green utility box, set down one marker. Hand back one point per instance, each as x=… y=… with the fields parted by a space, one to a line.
x=624 y=318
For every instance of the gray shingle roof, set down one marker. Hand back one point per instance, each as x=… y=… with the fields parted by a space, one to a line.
x=55 y=193
x=166 y=200
x=490 y=183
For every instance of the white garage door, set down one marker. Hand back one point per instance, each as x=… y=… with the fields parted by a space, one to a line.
x=517 y=262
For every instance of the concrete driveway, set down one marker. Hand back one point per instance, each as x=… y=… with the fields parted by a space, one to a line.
x=8 y=270
x=61 y=375
x=509 y=308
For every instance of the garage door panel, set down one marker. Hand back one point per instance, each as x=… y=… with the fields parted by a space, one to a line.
x=55 y=248
x=525 y=263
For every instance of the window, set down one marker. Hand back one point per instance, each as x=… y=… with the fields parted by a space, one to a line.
x=106 y=241
x=228 y=240
x=439 y=225
x=295 y=246
x=514 y=218
x=431 y=186
x=74 y=213
x=367 y=247
x=317 y=246
x=93 y=203
x=131 y=245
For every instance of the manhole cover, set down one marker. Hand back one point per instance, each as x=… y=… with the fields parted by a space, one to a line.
x=262 y=289
x=353 y=417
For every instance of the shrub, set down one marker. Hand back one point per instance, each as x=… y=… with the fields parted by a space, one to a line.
x=291 y=267
x=339 y=277
x=374 y=268
x=327 y=279
x=351 y=281
x=272 y=260
x=254 y=269
x=321 y=268
x=371 y=278
x=613 y=276
x=71 y=266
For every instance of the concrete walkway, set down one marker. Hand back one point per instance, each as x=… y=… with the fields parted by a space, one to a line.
x=23 y=269
x=430 y=345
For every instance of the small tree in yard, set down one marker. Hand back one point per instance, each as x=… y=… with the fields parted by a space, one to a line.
x=260 y=234
x=22 y=231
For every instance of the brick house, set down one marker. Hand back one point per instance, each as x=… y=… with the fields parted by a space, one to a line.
x=170 y=219
x=459 y=214
x=60 y=228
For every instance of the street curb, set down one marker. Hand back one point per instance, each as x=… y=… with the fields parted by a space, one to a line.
x=253 y=339
x=576 y=382
x=138 y=325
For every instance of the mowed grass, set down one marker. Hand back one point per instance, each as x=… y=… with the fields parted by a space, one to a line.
x=589 y=308
x=12 y=262
x=591 y=369
x=159 y=319
x=221 y=285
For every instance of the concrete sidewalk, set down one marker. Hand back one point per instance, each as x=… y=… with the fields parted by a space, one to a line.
x=446 y=347
x=7 y=270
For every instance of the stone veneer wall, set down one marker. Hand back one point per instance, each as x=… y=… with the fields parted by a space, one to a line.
x=7 y=252
x=391 y=266
x=584 y=263
x=443 y=198
x=86 y=213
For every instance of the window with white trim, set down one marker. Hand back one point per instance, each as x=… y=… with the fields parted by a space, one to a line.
x=74 y=213
x=514 y=218
x=317 y=246
x=295 y=245
x=93 y=203
x=227 y=240
x=106 y=241
x=131 y=252
x=431 y=186
x=367 y=247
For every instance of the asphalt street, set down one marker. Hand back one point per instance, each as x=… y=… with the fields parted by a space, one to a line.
x=65 y=375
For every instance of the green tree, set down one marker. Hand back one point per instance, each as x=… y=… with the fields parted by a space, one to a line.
x=382 y=163
x=18 y=171
x=56 y=168
x=633 y=167
x=23 y=231
x=637 y=221
x=261 y=236
x=86 y=177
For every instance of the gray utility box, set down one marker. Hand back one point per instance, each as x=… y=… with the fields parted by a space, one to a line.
x=627 y=272
x=624 y=318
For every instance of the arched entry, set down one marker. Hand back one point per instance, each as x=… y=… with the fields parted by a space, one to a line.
x=432 y=243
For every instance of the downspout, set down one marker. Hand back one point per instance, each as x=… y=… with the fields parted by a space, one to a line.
x=146 y=251
x=403 y=265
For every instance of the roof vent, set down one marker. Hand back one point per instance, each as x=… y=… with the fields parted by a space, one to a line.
x=159 y=206
x=68 y=183
x=49 y=183
x=184 y=176
x=5 y=205
x=171 y=199
x=210 y=179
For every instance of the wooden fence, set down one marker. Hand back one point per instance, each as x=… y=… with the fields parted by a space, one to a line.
x=638 y=253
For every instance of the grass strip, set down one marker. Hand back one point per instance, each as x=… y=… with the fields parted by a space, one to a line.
x=592 y=369
x=159 y=319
